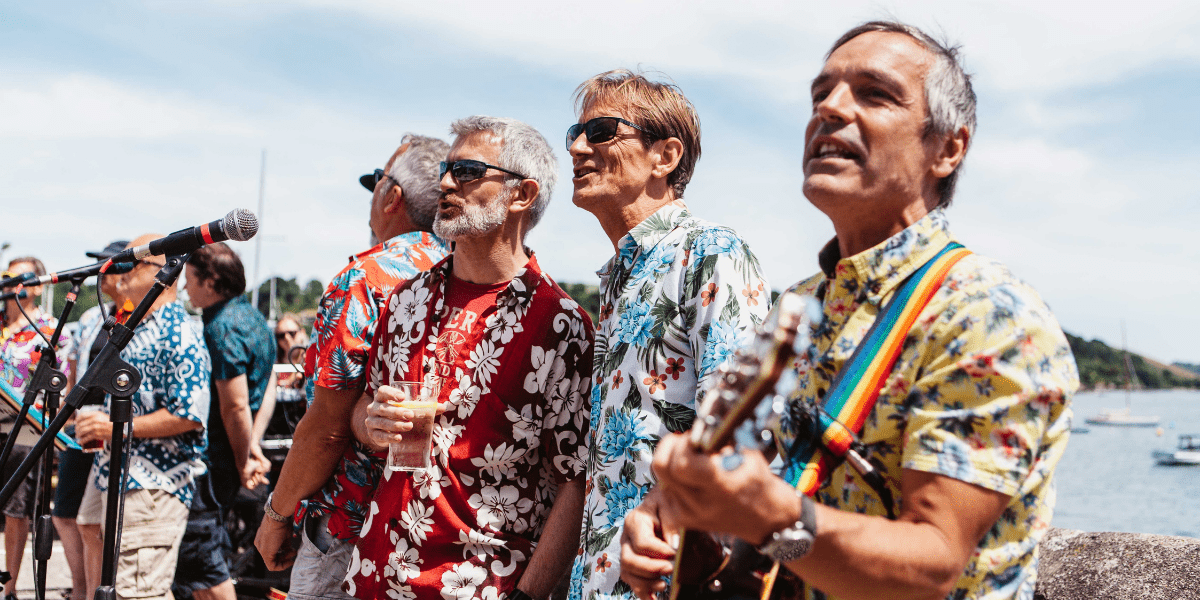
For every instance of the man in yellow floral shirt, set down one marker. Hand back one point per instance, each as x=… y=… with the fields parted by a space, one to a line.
x=974 y=416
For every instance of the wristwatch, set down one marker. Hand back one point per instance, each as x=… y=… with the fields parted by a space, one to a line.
x=796 y=541
x=270 y=511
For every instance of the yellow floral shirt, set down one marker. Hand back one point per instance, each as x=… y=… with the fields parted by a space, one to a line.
x=980 y=393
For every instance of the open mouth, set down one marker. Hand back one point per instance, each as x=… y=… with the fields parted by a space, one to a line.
x=832 y=150
x=583 y=171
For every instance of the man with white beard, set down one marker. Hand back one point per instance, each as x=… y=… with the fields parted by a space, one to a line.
x=498 y=511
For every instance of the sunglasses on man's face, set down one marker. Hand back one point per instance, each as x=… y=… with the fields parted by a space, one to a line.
x=379 y=176
x=279 y=335
x=598 y=130
x=469 y=170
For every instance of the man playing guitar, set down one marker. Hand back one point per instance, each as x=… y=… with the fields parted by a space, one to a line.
x=969 y=421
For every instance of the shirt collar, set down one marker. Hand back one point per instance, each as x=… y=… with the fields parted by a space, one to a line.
x=877 y=270
x=405 y=239
x=520 y=287
x=645 y=235
x=210 y=313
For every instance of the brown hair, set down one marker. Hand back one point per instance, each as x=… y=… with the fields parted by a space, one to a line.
x=39 y=269
x=219 y=264
x=658 y=107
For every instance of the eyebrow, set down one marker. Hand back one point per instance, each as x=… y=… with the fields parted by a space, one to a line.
x=871 y=74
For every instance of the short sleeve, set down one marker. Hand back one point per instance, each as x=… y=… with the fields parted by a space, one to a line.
x=991 y=398
x=344 y=330
x=568 y=393
x=729 y=294
x=228 y=351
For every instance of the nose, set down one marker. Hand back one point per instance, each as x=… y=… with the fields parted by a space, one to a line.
x=579 y=146
x=837 y=106
x=448 y=182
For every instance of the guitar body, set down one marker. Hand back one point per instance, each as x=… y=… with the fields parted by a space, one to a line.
x=745 y=399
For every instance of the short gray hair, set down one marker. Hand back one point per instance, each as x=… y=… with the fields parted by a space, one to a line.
x=416 y=171
x=949 y=97
x=522 y=150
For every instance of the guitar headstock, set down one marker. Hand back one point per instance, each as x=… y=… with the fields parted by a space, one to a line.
x=756 y=372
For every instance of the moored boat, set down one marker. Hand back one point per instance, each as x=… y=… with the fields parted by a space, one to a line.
x=1187 y=453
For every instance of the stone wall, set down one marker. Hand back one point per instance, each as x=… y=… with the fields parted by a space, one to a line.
x=1079 y=565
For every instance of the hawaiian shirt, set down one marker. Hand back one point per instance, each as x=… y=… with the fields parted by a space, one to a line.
x=515 y=427
x=239 y=343
x=678 y=298
x=168 y=349
x=20 y=350
x=343 y=332
x=980 y=393
x=89 y=328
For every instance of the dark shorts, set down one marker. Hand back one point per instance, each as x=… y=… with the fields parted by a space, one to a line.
x=74 y=469
x=205 y=545
x=22 y=502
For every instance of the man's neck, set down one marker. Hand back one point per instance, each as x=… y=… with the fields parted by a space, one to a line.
x=489 y=259
x=618 y=221
x=863 y=230
x=15 y=319
x=398 y=225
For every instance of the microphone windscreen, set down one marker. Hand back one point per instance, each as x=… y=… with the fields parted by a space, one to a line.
x=240 y=225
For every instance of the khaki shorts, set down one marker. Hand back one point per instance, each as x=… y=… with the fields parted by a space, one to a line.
x=153 y=529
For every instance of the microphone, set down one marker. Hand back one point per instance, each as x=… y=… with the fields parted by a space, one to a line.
x=239 y=225
x=78 y=273
x=22 y=279
x=13 y=295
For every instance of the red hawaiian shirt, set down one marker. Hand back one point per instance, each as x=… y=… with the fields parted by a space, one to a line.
x=515 y=427
x=342 y=333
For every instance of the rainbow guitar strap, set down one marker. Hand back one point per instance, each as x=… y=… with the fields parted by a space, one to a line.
x=856 y=387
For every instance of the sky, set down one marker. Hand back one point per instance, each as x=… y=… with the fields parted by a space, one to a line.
x=125 y=117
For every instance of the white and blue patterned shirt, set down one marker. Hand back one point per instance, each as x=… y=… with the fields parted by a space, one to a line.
x=168 y=350
x=678 y=298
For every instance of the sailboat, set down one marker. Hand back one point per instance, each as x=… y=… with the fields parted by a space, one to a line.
x=1124 y=417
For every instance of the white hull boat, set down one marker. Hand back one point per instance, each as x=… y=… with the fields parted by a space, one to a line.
x=1188 y=453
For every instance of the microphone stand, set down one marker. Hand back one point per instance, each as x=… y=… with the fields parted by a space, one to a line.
x=50 y=381
x=108 y=373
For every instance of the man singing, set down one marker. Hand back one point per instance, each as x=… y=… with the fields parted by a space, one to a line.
x=973 y=417
x=497 y=514
x=680 y=295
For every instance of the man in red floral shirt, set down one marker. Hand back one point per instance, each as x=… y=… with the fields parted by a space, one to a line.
x=320 y=467
x=498 y=512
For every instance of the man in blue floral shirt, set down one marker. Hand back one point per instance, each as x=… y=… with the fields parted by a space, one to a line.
x=677 y=299
x=169 y=412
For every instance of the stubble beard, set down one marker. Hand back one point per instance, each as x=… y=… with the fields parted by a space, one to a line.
x=474 y=220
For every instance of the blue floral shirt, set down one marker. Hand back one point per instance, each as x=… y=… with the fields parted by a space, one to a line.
x=168 y=350
x=678 y=298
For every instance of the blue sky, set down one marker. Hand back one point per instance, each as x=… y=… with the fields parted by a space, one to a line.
x=118 y=118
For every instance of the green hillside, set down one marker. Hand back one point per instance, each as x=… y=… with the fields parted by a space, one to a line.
x=1102 y=365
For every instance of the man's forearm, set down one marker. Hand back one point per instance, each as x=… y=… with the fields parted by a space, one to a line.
x=262 y=419
x=234 y=401
x=161 y=423
x=319 y=442
x=559 y=542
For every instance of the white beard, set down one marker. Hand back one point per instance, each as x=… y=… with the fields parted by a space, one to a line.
x=475 y=220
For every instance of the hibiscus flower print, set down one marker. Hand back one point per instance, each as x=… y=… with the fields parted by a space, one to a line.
x=542 y=362
x=405 y=562
x=526 y=426
x=655 y=381
x=617 y=379
x=503 y=325
x=495 y=508
x=603 y=563
x=675 y=366
x=752 y=294
x=708 y=294
x=410 y=306
x=460 y=581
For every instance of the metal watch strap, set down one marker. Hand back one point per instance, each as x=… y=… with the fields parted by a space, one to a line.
x=791 y=543
x=270 y=512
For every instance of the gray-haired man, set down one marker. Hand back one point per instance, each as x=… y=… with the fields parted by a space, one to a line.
x=498 y=512
x=320 y=466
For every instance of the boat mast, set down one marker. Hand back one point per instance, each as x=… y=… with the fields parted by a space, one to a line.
x=1131 y=379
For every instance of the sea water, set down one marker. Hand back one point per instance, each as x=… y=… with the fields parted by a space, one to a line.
x=1108 y=479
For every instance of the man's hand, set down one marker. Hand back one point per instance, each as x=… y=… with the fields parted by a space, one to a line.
x=256 y=469
x=386 y=422
x=274 y=543
x=92 y=425
x=648 y=547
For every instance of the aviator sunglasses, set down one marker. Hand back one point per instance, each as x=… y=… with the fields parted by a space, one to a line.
x=469 y=170
x=598 y=130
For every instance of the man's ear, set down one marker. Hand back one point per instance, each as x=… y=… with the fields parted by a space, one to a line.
x=951 y=153
x=667 y=154
x=525 y=195
x=395 y=201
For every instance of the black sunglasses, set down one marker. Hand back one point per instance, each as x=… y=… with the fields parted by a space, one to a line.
x=379 y=175
x=598 y=130
x=469 y=170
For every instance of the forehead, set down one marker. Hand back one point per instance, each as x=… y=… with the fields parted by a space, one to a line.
x=879 y=54
x=604 y=108
x=477 y=145
x=21 y=267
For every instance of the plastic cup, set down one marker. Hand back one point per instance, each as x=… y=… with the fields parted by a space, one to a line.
x=93 y=445
x=413 y=451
